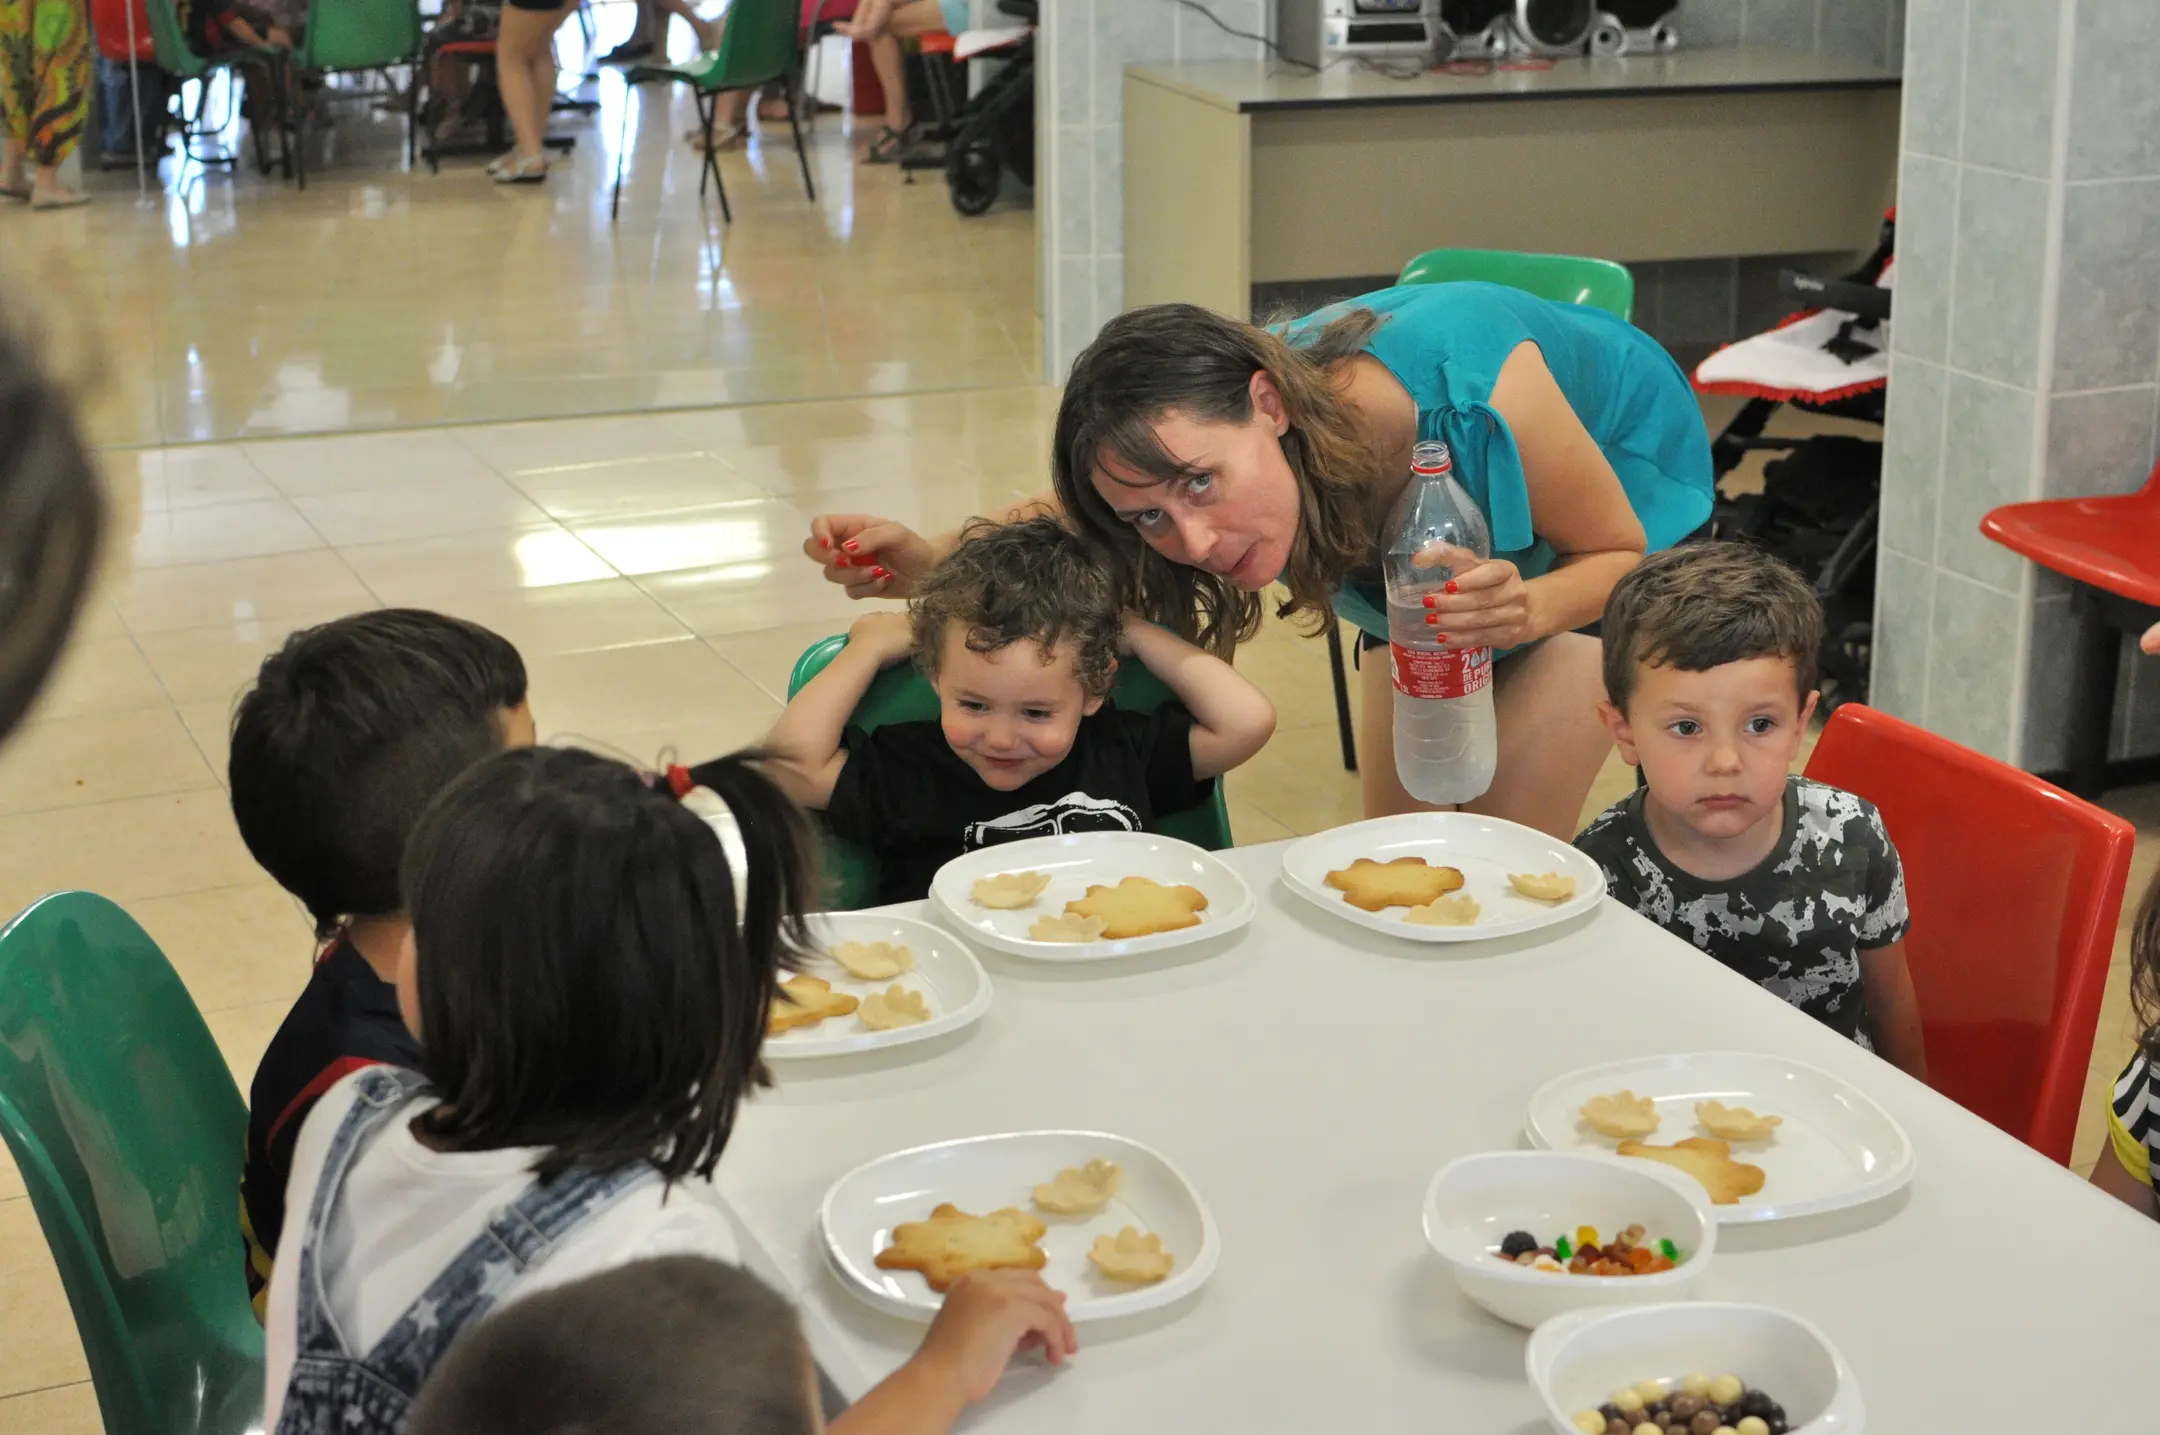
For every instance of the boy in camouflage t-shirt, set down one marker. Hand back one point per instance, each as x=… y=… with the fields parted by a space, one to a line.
x=1710 y=656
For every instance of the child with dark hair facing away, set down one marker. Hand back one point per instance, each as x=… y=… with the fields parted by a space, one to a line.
x=351 y=729
x=589 y=971
x=1710 y=660
x=2130 y=1166
x=1019 y=631
x=674 y=1346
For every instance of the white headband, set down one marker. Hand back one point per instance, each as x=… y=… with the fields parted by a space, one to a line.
x=713 y=808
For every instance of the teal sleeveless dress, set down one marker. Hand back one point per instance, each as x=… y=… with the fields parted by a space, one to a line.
x=1445 y=343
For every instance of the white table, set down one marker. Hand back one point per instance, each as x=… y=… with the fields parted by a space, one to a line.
x=1310 y=1077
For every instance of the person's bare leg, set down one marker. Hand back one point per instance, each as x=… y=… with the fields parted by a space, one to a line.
x=868 y=22
x=707 y=31
x=525 y=70
x=885 y=58
x=13 y=177
x=1551 y=742
x=46 y=188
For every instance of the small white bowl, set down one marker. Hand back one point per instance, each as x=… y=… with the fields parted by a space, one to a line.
x=1475 y=1202
x=1576 y=1361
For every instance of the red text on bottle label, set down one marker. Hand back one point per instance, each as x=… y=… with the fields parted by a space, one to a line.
x=1441 y=672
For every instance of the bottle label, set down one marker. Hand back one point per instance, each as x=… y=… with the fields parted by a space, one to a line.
x=1440 y=672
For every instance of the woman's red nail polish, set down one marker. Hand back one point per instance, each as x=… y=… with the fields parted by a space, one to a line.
x=1430 y=600
x=1433 y=619
x=849 y=545
x=826 y=541
x=879 y=573
x=1450 y=585
x=1442 y=637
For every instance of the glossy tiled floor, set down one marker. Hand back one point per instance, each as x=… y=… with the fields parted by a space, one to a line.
x=648 y=569
x=383 y=297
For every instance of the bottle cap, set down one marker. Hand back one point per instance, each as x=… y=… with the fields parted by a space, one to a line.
x=1431 y=458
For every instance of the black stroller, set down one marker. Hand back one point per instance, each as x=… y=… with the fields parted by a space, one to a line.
x=994 y=130
x=1820 y=501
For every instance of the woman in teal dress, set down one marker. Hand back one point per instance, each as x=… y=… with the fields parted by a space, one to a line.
x=1213 y=458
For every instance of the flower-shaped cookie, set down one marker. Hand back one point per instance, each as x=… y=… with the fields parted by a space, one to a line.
x=1067 y=927
x=1459 y=910
x=806 y=1001
x=1010 y=891
x=1622 y=1115
x=1542 y=886
x=1080 y=1192
x=873 y=961
x=894 y=1007
x=1735 y=1123
x=1131 y=1257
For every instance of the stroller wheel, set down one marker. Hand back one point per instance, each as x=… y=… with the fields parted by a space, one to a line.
x=972 y=176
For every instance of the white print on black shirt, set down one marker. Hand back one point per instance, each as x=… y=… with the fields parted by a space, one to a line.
x=1074 y=812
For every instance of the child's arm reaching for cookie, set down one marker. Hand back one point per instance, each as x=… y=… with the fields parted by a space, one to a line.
x=1232 y=719
x=988 y=1318
x=806 y=740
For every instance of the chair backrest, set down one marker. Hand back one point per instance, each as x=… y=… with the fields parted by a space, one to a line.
x=129 y=1132
x=1562 y=278
x=168 y=41
x=761 y=42
x=901 y=694
x=2015 y=887
x=358 y=34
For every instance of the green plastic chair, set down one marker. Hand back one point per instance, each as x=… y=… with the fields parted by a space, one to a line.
x=129 y=1133
x=349 y=36
x=901 y=694
x=760 y=44
x=1561 y=278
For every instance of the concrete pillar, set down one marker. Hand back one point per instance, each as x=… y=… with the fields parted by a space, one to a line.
x=2025 y=350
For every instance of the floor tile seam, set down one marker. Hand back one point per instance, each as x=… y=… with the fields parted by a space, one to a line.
x=42 y=1389
x=209 y=773
x=779 y=700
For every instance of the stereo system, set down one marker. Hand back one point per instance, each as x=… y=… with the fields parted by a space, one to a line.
x=1317 y=32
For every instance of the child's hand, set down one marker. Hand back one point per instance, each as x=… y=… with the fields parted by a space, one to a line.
x=869 y=556
x=988 y=1318
x=888 y=635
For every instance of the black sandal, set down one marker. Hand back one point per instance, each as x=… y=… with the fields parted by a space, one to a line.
x=885 y=149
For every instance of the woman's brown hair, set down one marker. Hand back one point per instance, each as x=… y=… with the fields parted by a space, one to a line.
x=1181 y=358
x=2145 y=970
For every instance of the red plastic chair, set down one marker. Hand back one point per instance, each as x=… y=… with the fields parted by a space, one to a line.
x=2015 y=887
x=2110 y=549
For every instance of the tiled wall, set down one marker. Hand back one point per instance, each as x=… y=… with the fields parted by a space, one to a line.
x=1087 y=43
x=1085 y=47
x=2025 y=350
x=1864 y=29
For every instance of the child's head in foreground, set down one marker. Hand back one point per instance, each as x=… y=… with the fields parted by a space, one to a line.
x=352 y=728
x=1017 y=630
x=589 y=971
x=1710 y=662
x=676 y=1346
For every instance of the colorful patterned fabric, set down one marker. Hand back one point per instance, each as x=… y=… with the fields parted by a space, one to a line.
x=44 y=76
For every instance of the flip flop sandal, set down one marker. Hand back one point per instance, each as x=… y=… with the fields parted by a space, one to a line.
x=731 y=138
x=532 y=170
x=885 y=149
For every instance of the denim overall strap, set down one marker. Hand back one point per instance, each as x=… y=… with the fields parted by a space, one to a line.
x=380 y=1092
x=518 y=1237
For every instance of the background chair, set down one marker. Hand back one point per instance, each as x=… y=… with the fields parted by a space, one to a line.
x=2015 y=887
x=1561 y=278
x=357 y=36
x=177 y=58
x=2109 y=548
x=129 y=1132
x=901 y=694
x=760 y=45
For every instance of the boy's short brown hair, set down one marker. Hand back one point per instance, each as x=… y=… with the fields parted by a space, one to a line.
x=1035 y=580
x=682 y=1344
x=1703 y=605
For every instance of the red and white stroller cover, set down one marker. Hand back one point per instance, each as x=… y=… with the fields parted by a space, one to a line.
x=1800 y=361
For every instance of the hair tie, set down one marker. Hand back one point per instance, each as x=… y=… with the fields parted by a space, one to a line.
x=717 y=815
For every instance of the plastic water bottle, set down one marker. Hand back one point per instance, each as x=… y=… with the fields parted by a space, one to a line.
x=1445 y=741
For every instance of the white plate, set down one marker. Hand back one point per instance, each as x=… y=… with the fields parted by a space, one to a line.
x=1076 y=862
x=988 y=1173
x=1837 y=1148
x=951 y=981
x=1484 y=849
